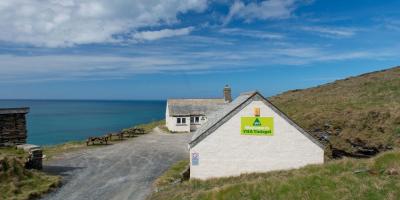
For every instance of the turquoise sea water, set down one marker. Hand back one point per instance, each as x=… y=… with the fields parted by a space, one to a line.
x=59 y=121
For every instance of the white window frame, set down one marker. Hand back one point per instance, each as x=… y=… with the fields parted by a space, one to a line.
x=181 y=121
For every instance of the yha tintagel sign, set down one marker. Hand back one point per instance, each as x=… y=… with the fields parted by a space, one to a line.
x=257 y=126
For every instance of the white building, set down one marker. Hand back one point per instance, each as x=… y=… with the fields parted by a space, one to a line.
x=186 y=115
x=250 y=135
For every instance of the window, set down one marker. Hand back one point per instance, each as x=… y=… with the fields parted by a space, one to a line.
x=180 y=120
x=194 y=120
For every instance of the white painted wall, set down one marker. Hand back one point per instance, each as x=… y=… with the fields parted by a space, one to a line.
x=174 y=127
x=228 y=153
x=168 y=119
x=171 y=124
x=202 y=120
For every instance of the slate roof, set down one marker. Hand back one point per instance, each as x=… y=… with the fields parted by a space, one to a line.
x=186 y=107
x=23 y=110
x=226 y=112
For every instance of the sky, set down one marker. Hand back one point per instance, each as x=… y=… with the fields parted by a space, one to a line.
x=159 y=49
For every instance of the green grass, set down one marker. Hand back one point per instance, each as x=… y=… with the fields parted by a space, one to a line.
x=172 y=175
x=18 y=183
x=12 y=151
x=358 y=113
x=375 y=178
x=54 y=150
x=147 y=127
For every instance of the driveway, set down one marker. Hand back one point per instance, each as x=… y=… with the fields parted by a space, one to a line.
x=120 y=171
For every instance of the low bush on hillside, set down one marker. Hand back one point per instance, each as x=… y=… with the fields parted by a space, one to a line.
x=18 y=183
x=375 y=178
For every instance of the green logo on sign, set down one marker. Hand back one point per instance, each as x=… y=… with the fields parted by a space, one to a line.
x=257 y=126
x=257 y=122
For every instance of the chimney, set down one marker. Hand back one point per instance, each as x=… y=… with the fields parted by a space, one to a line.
x=227 y=94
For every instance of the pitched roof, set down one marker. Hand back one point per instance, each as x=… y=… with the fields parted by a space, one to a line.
x=186 y=107
x=227 y=112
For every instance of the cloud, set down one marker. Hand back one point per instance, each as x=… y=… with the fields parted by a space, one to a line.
x=15 y=68
x=251 y=33
x=164 y=33
x=390 y=24
x=331 y=31
x=22 y=68
x=55 y=23
x=269 y=9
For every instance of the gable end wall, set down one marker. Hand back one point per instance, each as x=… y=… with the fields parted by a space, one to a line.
x=225 y=152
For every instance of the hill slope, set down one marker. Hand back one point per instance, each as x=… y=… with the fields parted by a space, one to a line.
x=357 y=117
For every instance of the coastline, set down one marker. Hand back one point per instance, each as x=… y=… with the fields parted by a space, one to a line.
x=52 y=122
x=53 y=151
x=16 y=181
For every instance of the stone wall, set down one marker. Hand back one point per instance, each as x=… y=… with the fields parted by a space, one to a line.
x=13 y=126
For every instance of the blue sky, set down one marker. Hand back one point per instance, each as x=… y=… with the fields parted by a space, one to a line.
x=149 y=49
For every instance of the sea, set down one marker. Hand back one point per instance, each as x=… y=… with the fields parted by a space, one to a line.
x=51 y=122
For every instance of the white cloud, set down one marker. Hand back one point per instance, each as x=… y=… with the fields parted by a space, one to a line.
x=93 y=67
x=331 y=31
x=17 y=69
x=164 y=33
x=54 y=23
x=391 y=24
x=269 y=9
x=251 y=33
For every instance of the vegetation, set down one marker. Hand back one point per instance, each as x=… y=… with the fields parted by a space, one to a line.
x=374 y=178
x=358 y=116
x=147 y=127
x=172 y=175
x=54 y=150
x=16 y=182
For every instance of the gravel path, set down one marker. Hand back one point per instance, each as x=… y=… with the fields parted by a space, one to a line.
x=120 y=171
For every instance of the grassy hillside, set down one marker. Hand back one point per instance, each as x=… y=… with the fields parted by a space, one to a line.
x=358 y=116
x=18 y=183
x=375 y=178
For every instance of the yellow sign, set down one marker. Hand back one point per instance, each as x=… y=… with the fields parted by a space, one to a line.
x=257 y=126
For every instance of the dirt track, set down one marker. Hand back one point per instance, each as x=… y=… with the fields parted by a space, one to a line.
x=121 y=171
